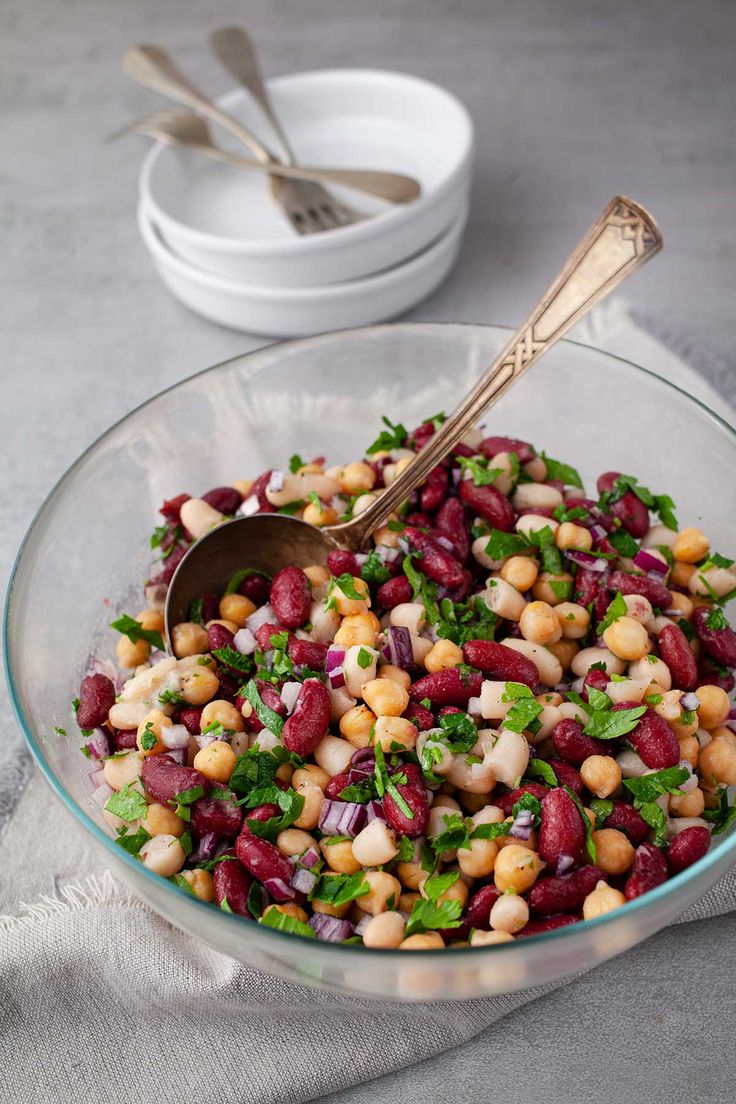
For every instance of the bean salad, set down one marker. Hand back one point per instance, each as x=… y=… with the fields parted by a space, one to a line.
x=510 y=713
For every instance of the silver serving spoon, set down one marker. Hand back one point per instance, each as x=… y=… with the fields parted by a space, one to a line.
x=617 y=243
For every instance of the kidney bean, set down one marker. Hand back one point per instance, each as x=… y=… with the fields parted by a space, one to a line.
x=264 y=633
x=255 y=587
x=210 y=607
x=125 y=740
x=415 y=795
x=452 y=520
x=418 y=519
x=258 y=488
x=219 y=636
x=590 y=588
x=489 y=503
x=567 y=775
x=572 y=744
x=341 y=562
x=561 y=831
x=437 y=564
x=222 y=817
x=707 y=676
x=232 y=884
x=678 y=655
x=419 y=437
x=434 y=491
x=270 y=697
x=653 y=740
x=172 y=561
x=632 y=513
x=290 y=597
x=605 y=481
x=628 y=820
x=229 y=684
x=420 y=715
x=449 y=542
x=336 y=785
x=598 y=679
x=459 y=594
x=656 y=592
x=478 y=912
x=224 y=499
x=687 y=847
x=171 y=508
x=163 y=779
x=394 y=592
x=260 y=858
x=563 y=892
x=261 y=812
x=491 y=446
x=496 y=661
x=308 y=653
x=545 y=924
x=448 y=687
x=718 y=643
x=506 y=801
x=649 y=870
x=306 y=726
x=190 y=716
x=537 y=511
x=96 y=699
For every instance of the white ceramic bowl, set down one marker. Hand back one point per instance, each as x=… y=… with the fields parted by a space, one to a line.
x=222 y=219
x=295 y=312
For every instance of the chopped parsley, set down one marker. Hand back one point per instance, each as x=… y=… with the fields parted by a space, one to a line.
x=645 y=791
x=524 y=712
x=386 y=783
x=149 y=739
x=374 y=571
x=127 y=803
x=339 y=889
x=723 y=815
x=716 y=619
x=232 y=658
x=478 y=468
x=274 y=918
x=255 y=769
x=295 y=463
x=616 y=609
x=564 y=472
x=538 y=768
x=500 y=545
x=660 y=504
x=544 y=540
x=289 y=801
x=562 y=513
x=267 y=716
x=188 y=797
x=604 y=724
x=602 y=809
x=239 y=578
x=624 y=543
x=170 y=697
x=134 y=631
x=364 y=657
x=132 y=841
x=394 y=436
x=429 y=914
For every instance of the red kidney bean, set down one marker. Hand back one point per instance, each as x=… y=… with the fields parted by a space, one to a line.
x=232 y=884
x=163 y=779
x=572 y=745
x=394 y=592
x=270 y=697
x=219 y=636
x=418 y=519
x=224 y=499
x=478 y=912
x=563 y=892
x=171 y=563
x=341 y=562
x=415 y=795
x=171 y=508
x=258 y=488
x=605 y=481
x=448 y=541
x=419 y=437
x=307 y=725
x=437 y=564
x=264 y=633
x=448 y=687
x=687 y=847
x=222 y=817
x=718 y=643
x=491 y=446
x=125 y=740
x=336 y=785
x=255 y=587
x=678 y=655
x=598 y=679
x=545 y=924
x=653 y=740
x=210 y=607
x=262 y=859
x=628 y=820
x=452 y=520
x=308 y=653
x=654 y=591
x=567 y=775
x=537 y=511
x=649 y=870
x=506 y=802
x=434 y=491
x=632 y=513
x=229 y=684
x=590 y=588
x=420 y=715
x=707 y=676
x=496 y=661
x=261 y=812
x=191 y=717
x=561 y=831
x=96 y=699
x=290 y=597
x=489 y=503
x=459 y=594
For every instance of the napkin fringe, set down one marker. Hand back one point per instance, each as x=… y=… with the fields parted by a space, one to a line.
x=78 y=896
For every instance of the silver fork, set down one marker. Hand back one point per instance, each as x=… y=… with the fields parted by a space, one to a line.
x=309 y=206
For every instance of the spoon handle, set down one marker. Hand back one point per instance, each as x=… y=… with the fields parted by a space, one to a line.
x=152 y=67
x=619 y=242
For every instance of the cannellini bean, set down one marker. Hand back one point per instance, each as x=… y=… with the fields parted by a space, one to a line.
x=333 y=755
x=652 y=669
x=549 y=667
x=198 y=517
x=534 y=523
x=299 y=487
x=410 y=615
x=325 y=623
x=587 y=657
x=492 y=705
x=358 y=673
x=503 y=599
x=506 y=754
x=340 y=701
x=479 y=554
x=128 y=714
x=142 y=687
x=535 y=496
x=659 y=534
x=629 y=690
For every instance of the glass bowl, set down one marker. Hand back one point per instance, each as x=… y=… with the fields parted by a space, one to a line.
x=87 y=551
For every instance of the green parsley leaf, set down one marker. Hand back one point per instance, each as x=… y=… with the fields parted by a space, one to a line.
x=232 y=658
x=158 y=535
x=561 y=588
x=253 y=769
x=544 y=540
x=374 y=571
x=185 y=839
x=665 y=507
x=170 y=697
x=181 y=882
x=500 y=545
x=716 y=619
x=422 y=588
x=346 y=583
x=134 y=631
x=225 y=905
x=651 y=786
x=455 y=835
x=653 y=699
x=132 y=842
x=481 y=474
x=386 y=783
x=524 y=712
x=339 y=889
x=602 y=809
x=295 y=463
x=723 y=815
x=365 y=659
x=188 y=797
x=589 y=842
x=616 y=609
x=538 y=768
x=428 y=914
x=272 y=918
x=656 y=818
x=564 y=472
x=491 y=831
x=610 y=726
x=268 y=718
x=359 y=792
x=292 y=508
x=393 y=437
x=280 y=640
x=624 y=543
x=598 y=700
x=562 y=513
x=256 y=899
x=289 y=801
x=62 y=732
x=149 y=738
x=196 y=606
x=459 y=732
x=405 y=853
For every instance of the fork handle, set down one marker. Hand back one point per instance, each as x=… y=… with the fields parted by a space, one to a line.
x=154 y=68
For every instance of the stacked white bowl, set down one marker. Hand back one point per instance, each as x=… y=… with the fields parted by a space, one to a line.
x=225 y=250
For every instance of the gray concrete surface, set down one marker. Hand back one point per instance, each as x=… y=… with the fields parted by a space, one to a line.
x=573 y=100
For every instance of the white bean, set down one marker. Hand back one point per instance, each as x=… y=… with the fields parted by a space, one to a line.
x=198 y=517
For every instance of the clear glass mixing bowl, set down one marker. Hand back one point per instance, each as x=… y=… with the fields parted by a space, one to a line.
x=87 y=551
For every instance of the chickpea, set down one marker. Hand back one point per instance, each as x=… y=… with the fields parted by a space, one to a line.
x=362 y=503
x=124 y=770
x=313 y=799
x=444 y=654
x=423 y=941
x=539 y=624
x=574 y=620
x=627 y=639
x=488 y=938
x=319 y=514
x=639 y=607
x=356 y=629
x=395 y=734
x=310 y=774
x=602 y=899
x=289 y=908
x=384 y=891
x=601 y=774
x=200 y=686
x=385 y=697
x=683 y=605
x=407 y=901
x=163 y=855
x=570 y=535
x=385 y=930
x=357 y=476
x=688 y=805
x=216 y=761
x=151 y=619
x=385 y=536
x=565 y=651
x=717 y=761
x=714 y=706
x=681 y=574
x=339 y=856
x=690 y=749
x=520 y=572
x=410 y=874
x=544 y=591
x=149 y=727
x=188 y=639
x=614 y=852
x=345 y=605
x=510 y=913
x=357 y=724
x=224 y=713
x=690 y=546
x=202 y=883
x=236 y=608
x=333 y=754
x=396 y=674
x=317 y=574
x=479 y=860
x=229 y=625
x=375 y=844
x=294 y=841
x=516 y=868
x=132 y=655
x=162 y=821
x=703 y=584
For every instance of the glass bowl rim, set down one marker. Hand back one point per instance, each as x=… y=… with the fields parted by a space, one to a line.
x=283 y=939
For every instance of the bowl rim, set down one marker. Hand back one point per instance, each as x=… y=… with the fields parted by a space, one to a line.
x=284 y=939
x=344 y=236
x=163 y=253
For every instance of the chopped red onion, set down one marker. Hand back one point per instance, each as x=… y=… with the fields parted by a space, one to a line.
x=363 y=924
x=597 y=531
x=99 y=744
x=456 y=476
x=264 y=615
x=155 y=595
x=102 y=667
x=374 y=811
x=334 y=666
x=651 y=564
x=329 y=929
x=178 y=755
x=403 y=545
x=203 y=741
x=341 y=818
x=245 y=642
x=290 y=692
x=691 y=781
x=386 y=554
x=303 y=880
x=278 y=889
x=690 y=701
x=364 y=758
x=564 y=863
x=336 y=678
x=584 y=559
x=97 y=777
x=446 y=543
x=276 y=481
x=400 y=647
x=175 y=736
x=732 y=714
x=102 y=794
x=310 y=857
x=206 y=847
x=523 y=824
x=250 y=506
x=361 y=558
